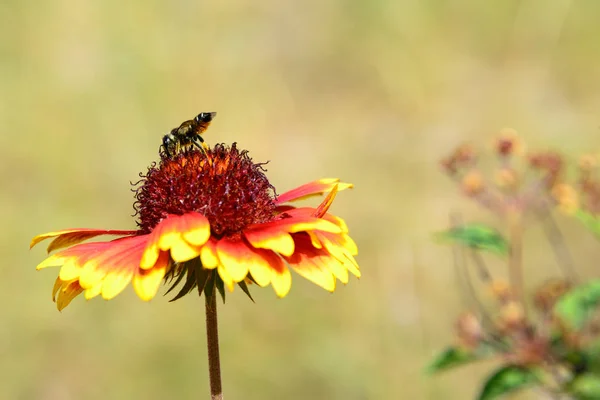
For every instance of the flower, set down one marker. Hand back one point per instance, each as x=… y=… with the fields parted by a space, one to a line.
x=214 y=220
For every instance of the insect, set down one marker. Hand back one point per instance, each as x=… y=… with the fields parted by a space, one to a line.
x=187 y=134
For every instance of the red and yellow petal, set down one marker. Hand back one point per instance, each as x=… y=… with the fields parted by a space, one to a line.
x=70 y=270
x=322 y=264
x=239 y=259
x=314 y=268
x=114 y=253
x=312 y=264
x=182 y=235
x=312 y=189
x=326 y=203
x=114 y=283
x=267 y=263
x=309 y=240
x=147 y=281
x=226 y=278
x=70 y=237
x=182 y=251
x=58 y=285
x=338 y=270
x=337 y=221
x=93 y=291
x=309 y=212
x=90 y=277
x=65 y=292
x=343 y=248
x=281 y=280
x=275 y=235
x=335 y=243
x=197 y=229
x=122 y=265
x=152 y=251
x=277 y=240
x=105 y=268
x=314 y=240
x=235 y=258
x=208 y=254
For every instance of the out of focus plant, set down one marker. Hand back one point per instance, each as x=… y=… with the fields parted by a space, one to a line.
x=548 y=340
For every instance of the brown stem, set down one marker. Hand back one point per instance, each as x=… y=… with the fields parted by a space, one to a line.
x=558 y=244
x=484 y=274
x=515 y=266
x=212 y=338
x=463 y=277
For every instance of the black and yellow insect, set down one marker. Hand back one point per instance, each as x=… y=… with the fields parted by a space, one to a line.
x=187 y=134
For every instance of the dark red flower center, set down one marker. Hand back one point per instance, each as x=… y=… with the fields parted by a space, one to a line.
x=224 y=185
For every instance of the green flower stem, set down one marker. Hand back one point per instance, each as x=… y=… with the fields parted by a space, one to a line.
x=212 y=338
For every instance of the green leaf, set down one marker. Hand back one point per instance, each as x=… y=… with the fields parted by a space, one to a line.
x=506 y=380
x=177 y=270
x=576 y=306
x=589 y=220
x=591 y=353
x=478 y=237
x=188 y=286
x=202 y=276
x=220 y=287
x=585 y=387
x=244 y=286
x=454 y=357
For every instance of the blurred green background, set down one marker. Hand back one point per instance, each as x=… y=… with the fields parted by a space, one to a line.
x=373 y=92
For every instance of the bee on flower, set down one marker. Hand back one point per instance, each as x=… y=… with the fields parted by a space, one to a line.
x=207 y=220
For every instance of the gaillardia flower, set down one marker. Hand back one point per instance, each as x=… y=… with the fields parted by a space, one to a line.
x=215 y=220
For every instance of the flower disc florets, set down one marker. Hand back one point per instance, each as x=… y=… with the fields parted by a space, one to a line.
x=224 y=185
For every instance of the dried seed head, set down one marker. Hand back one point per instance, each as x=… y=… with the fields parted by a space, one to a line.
x=506 y=178
x=509 y=143
x=463 y=156
x=548 y=293
x=512 y=316
x=588 y=162
x=566 y=196
x=549 y=163
x=472 y=183
x=469 y=330
x=500 y=290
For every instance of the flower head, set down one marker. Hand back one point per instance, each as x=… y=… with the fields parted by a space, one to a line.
x=208 y=221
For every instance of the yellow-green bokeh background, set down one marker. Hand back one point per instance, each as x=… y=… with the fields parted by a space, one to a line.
x=373 y=92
